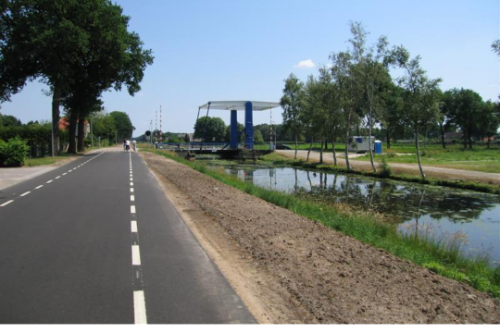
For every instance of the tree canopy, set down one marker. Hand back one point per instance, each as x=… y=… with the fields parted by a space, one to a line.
x=80 y=48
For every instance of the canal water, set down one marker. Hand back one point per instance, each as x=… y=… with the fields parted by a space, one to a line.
x=468 y=218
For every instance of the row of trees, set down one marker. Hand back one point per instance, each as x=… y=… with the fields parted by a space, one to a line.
x=357 y=92
x=115 y=127
x=211 y=129
x=79 y=48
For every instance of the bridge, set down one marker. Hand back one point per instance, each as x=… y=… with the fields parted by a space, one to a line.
x=190 y=150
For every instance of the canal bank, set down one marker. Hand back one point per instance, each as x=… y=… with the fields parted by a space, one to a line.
x=399 y=168
x=306 y=272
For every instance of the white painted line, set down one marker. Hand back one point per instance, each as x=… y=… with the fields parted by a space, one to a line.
x=133 y=226
x=64 y=174
x=58 y=177
x=50 y=181
x=131 y=190
x=131 y=184
x=131 y=179
x=132 y=209
x=25 y=193
x=69 y=171
x=6 y=203
x=136 y=255
x=139 y=308
x=36 y=188
x=132 y=198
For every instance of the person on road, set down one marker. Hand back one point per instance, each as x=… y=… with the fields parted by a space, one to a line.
x=134 y=144
x=124 y=144
x=127 y=145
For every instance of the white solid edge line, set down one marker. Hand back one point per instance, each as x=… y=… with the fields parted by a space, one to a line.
x=139 y=307
x=133 y=226
x=136 y=255
x=6 y=203
x=25 y=193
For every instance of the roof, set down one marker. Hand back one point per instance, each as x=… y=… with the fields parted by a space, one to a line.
x=239 y=105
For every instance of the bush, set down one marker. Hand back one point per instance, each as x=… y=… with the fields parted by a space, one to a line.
x=3 y=152
x=13 y=153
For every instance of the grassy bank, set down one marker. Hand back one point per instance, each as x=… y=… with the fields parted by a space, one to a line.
x=384 y=173
x=443 y=257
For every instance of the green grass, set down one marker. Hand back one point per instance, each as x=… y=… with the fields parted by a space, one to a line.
x=40 y=161
x=454 y=156
x=441 y=256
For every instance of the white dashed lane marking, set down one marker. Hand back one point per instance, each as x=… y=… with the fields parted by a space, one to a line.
x=25 y=193
x=6 y=203
x=139 y=307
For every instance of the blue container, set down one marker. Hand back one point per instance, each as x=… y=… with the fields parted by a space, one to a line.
x=378 y=147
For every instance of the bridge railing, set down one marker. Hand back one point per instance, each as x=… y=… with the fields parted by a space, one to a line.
x=193 y=145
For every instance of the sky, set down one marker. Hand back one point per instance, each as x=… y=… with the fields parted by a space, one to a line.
x=216 y=50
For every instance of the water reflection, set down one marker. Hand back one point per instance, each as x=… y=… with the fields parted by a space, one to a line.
x=413 y=206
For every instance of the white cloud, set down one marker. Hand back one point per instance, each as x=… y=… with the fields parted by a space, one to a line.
x=305 y=64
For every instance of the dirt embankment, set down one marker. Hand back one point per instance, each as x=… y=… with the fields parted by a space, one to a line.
x=289 y=269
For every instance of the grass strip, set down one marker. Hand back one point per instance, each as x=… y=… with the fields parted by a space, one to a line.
x=441 y=256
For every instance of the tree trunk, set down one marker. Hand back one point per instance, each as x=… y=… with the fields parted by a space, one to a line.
x=56 y=98
x=348 y=165
x=310 y=148
x=441 y=129
x=388 y=138
x=333 y=151
x=73 y=118
x=488 y=142
x=370 y=141
x=296 y=144
x=321 y=151
x=81 y=132
x=418 y=155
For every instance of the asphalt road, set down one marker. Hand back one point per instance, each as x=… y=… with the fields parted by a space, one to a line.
x=96 y=241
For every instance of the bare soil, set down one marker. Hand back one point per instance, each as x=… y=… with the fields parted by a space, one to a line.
x=289 y=269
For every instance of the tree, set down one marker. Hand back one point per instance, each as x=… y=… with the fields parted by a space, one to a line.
x=104 y=126
x=391 y=111
x=9 y=121
x=209 y=129
x=291 y=102
x=257 y=137
x=496 y=47
x=123 y=125
x=421 y=102
x=488 y=121
x=342 y=71
x=466 y=108
x=78 y=47
x=329 y=96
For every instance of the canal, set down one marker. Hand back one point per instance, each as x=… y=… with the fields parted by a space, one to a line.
x=468 y=218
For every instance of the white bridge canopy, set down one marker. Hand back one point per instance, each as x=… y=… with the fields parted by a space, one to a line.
x=239 y=105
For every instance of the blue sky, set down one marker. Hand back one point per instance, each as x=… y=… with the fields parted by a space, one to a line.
x=244 y=50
